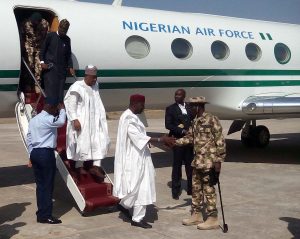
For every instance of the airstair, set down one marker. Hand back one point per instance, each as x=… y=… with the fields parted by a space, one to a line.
x=87 y=193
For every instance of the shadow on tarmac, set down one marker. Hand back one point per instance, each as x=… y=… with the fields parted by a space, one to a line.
x=16 y=175
x=9 y=213
x=293 y=226
x=283 y=149
x=188 y=202
x=151 y=214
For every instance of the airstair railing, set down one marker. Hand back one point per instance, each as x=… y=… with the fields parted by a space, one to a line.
x=34 y=112
x=23 y=109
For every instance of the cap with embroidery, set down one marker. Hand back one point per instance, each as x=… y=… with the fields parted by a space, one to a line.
x=91 y=70
x=137 y=98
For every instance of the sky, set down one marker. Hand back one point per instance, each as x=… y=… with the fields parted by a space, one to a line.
x=287 y=11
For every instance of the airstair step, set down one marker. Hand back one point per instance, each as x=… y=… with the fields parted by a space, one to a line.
x=95 y=190
x=86 y=179
x=95 y=194
x=96 y=202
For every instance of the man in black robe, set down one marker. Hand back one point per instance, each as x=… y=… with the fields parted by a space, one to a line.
x=56 y=61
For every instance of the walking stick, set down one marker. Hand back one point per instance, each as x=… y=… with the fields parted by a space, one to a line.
x=225 y=226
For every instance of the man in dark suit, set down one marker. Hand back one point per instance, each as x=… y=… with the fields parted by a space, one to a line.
x=56 y=61
x=178 y=120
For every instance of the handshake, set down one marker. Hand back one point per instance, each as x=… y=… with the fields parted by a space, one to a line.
x=168 y=141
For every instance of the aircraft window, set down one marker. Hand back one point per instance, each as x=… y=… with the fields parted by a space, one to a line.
x=220 y=50
x=282 y=53
x=181 y=48
x=253 y=52
x=137 y=47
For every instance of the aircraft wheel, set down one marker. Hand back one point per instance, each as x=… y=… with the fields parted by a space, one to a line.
x=261 y=136
x=247 y=136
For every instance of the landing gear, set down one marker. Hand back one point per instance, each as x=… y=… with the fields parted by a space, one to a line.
x=253 y=135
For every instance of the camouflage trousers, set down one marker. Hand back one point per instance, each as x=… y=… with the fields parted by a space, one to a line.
x=203 y=196
x=30 y=55
x=34 y=64
x=37 y=70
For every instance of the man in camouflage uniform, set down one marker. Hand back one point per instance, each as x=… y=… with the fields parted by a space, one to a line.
x=34 y=30
x=42 y=30
x=209 y=151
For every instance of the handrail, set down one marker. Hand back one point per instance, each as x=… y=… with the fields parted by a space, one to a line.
x=34 y=112
x=33 y=77
x=21 y=98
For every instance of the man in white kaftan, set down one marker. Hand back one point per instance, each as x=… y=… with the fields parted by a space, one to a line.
x=134 y=174
x=87 y=132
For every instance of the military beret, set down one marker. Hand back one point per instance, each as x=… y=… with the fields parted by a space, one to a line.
x=199 y=100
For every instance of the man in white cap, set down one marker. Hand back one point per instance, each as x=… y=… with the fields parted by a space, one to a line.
x=87 y=132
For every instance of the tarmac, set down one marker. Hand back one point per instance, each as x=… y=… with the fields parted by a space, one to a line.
x=260 y=190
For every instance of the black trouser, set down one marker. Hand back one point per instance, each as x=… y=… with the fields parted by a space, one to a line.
x=44 y=166
x=54 y=83
x=180 y=155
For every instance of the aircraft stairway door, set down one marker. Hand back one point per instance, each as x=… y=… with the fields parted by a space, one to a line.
x=88 y=193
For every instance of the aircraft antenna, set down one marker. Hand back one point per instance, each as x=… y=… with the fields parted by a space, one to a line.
x=117 y=3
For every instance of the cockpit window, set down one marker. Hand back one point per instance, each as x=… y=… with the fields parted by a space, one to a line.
x=181 y=48
x=137 y=47
x=282 y=53
x=220 y=50
x=253 y=52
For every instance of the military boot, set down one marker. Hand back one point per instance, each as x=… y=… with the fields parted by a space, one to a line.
x=211 y=223
x=195 y=218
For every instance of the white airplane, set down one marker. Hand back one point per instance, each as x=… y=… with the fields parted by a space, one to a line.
x=247 y=69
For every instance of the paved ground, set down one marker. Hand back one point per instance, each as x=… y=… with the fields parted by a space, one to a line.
x=260 y=187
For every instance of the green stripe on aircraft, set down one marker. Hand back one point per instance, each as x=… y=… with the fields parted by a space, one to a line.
x=9 y=73
x=177 y=84
x=172 y=72
x=189 y=72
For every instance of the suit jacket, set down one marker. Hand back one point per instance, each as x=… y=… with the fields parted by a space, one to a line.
x=174 y=118
x=57 y=50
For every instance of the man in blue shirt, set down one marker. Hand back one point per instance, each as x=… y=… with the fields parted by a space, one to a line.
x=41 y=143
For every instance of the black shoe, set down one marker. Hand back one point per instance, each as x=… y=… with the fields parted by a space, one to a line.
x=50 y=220
x=97 y=173
x=124 y=211
x=141 y=224
x=189 y=193
x=175 y=196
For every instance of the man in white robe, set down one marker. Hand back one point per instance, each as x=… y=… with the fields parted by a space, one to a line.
x=134 y=172
x=87 y=132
